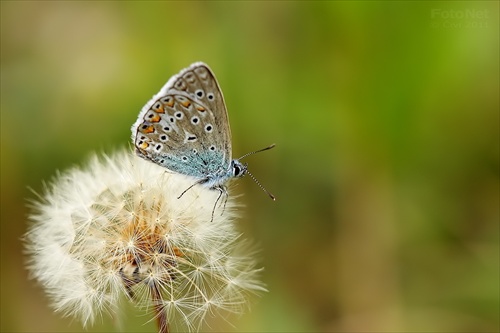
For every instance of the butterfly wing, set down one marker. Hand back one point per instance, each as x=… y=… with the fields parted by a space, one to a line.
x=185 y=126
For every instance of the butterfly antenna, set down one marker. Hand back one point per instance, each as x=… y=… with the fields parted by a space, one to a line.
x=257 y=182
x=255 y=179
x=258 y=151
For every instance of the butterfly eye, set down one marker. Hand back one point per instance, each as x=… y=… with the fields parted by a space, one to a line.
x=239 y=169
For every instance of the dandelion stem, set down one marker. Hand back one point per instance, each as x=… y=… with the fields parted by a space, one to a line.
x=161 y=316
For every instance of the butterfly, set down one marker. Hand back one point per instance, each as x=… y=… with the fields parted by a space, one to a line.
x=185 y=128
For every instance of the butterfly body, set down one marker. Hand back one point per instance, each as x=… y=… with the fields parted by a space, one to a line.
x=185 y=128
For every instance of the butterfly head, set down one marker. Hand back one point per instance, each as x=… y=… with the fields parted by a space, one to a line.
x=238 y=169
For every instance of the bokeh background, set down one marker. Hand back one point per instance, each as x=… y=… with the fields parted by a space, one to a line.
x=386 y=120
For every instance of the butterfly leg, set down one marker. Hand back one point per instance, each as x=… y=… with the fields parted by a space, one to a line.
x=222 y=190
x=225 y=201
x=190 y=187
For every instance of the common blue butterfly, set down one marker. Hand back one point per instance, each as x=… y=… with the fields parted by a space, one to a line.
x=185 y=128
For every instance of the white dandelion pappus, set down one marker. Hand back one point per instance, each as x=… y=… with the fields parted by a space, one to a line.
x=116 y=228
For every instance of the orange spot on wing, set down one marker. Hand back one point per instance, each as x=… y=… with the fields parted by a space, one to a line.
x=159 y=109
x=200 y=108
x=149 y=129
x=186 y=104
x=155 y=119
x=143 y=145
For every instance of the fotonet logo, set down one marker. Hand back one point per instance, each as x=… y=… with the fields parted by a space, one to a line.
x=471 y=14
x=459 y=18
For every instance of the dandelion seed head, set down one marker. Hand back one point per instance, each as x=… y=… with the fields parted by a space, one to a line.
x=117 y=228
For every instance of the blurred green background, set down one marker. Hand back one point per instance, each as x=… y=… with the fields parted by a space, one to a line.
x=386 y=120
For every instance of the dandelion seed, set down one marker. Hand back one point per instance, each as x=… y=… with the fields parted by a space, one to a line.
x=117 y=228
